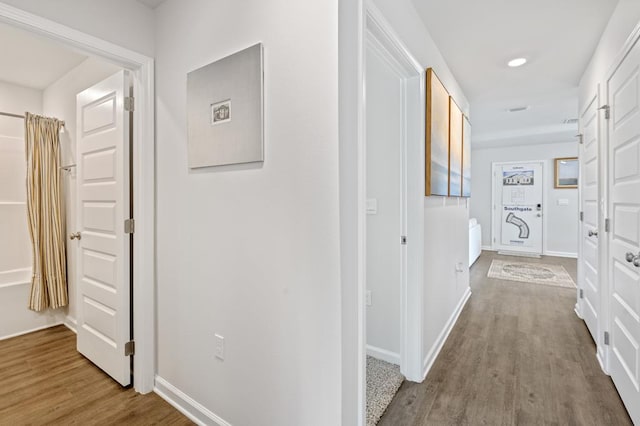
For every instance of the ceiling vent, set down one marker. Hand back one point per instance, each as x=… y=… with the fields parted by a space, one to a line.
x=518 y=109
x=570 y=121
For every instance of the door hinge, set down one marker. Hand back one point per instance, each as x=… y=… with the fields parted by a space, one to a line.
x=607 y=225
x=581 y=293
x=130 y=348
x=129 y=226
x=403 y=240
x=606 y=338
x=581 y=216
x=129 y=103
x=580 y=137
x=607 y=111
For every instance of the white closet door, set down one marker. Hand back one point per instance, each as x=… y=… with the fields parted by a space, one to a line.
x=623 y=89
x=104 y=296
x=589 y=229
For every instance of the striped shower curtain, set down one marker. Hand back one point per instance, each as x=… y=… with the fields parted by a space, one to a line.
x=44 y=206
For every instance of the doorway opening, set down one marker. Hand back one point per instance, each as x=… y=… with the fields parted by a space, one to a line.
x=392 y=200
x=89 y=61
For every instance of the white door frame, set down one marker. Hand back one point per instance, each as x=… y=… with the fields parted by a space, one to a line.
x=381 y=38
x=601 y=349
x=378 y=29
x=494 y=199
x=142 y=70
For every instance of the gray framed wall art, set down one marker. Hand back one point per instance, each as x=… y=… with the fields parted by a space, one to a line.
x=225 y=110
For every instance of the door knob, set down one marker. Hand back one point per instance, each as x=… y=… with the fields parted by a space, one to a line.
x=593 y=233
x=636 y=261
x=75 y=236
x=629 y=257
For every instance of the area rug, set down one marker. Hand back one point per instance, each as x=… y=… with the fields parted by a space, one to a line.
x=383 y=381
x=533 y=273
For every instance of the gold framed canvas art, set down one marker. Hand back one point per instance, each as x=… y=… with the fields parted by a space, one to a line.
x=567 y=171
x=466 y=158
x=455 y=149
x=437 y=137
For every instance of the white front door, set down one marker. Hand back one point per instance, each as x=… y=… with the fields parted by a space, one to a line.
x=623 y=258
x=517 y=210
x=103 y=179
x=589 y=282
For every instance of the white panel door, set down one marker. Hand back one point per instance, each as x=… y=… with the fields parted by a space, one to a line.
x=589 y=229
x=623 y=92
x=103 y=177
x=518 y=207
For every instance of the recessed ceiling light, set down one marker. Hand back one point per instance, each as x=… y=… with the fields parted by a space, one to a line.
x=517 y=62
x=518 y=109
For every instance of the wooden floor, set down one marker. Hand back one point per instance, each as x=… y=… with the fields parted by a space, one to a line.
x=518 y=355
x=45 y=381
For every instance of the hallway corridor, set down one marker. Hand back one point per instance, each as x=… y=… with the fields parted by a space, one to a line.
x=518 y=355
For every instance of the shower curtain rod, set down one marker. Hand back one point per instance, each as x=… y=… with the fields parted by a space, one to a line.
x=8 y=114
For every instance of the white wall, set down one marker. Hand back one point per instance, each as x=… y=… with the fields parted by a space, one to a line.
x=560 y=234
x=15 y=248
x=252 y=252
x=127 y=23
x=59 y=100
x=624 y=19
x=446 y=220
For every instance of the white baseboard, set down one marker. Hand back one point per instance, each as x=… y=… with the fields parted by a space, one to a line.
x=519 y=254
x=71 y=324
x=599 y=357
x=561 y=254
x=31 y=330
x=546 y=253
x=444 y=334
x=576 y=309
x=383 y=354
x=195 y=411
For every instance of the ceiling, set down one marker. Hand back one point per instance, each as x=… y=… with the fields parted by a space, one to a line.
x=478 y=38
x=152 y=3
x=33 y=61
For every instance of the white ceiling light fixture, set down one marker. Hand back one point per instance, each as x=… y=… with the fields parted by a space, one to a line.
x=517 y=62
x=518 y=109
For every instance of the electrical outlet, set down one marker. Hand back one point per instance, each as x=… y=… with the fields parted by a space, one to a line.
x=368 y=297
x=219 y=349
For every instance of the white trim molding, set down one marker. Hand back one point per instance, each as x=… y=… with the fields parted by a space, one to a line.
x=383 y=354
x=142 y=68
x=444 y=334
x=71 y=323
x=188 y=406
x=560 y=254
x=31 y=330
